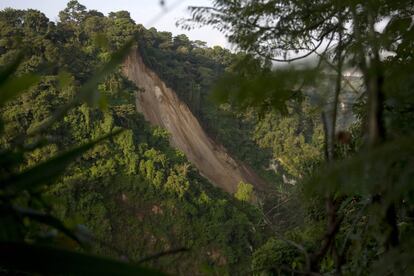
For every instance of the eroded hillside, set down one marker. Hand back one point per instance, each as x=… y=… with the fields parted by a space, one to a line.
x=161 y=106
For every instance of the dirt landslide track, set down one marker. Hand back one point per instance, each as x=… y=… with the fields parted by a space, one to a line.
x=162 y=107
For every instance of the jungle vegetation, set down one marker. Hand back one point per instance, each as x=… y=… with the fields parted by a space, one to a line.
x=86 y=180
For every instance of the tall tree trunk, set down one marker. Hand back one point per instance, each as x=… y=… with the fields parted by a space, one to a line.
x=375 y=123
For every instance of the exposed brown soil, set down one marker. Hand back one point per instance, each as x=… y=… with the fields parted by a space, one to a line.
x=161 y=106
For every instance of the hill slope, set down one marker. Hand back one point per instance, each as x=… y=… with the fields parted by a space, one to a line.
x=161 y=106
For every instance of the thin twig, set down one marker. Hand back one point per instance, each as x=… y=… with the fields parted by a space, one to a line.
x=162 y=254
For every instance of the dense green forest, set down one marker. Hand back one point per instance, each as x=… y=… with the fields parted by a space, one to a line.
x=89 y=186
x=136 y=194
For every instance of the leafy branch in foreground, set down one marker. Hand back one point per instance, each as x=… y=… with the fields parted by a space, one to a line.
x=22 y=210
x=345 y=36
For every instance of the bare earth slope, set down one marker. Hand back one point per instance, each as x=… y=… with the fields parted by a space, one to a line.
x=161 y=106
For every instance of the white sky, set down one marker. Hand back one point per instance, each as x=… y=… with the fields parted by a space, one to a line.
x=142 y=11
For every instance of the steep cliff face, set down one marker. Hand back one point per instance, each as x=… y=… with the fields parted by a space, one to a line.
x=161 y=106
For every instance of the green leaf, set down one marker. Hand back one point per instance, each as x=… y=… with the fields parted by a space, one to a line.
x=264 y=89
x=65 y=79
x=9 y=69
x=116 y=59
x=13 y=87
x=47 y=171
x=49 y=260
x=46 y=219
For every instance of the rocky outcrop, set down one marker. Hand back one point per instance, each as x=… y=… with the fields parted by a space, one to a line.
x=162 y=107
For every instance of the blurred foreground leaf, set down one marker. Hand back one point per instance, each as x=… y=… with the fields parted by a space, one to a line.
x=45 y=219
x=263 y=89
x=390 y=166
x=13 y=87
x=47 y=171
